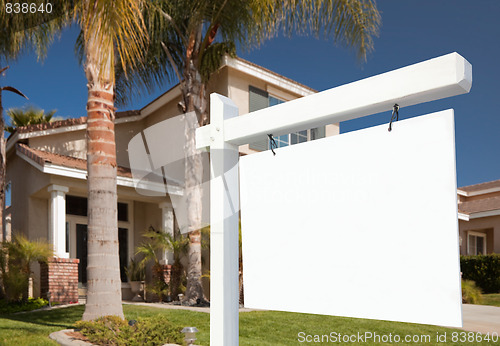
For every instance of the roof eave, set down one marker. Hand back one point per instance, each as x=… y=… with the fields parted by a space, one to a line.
x=76 y=173
x=487 y=213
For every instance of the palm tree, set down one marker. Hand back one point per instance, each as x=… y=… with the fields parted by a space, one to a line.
x=161 y=241
x=111 y=33
x=195 y=35
x=16 y=257
x=27 y=116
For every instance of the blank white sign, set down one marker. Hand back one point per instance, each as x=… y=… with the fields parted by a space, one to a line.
x=362 y=225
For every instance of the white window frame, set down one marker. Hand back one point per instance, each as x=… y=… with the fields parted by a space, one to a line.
x=290 y=134
x=476 y=234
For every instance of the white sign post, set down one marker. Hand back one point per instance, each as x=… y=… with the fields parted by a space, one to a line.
x=434 y=79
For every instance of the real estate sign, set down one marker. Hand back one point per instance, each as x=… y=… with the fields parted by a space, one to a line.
x=363 y=224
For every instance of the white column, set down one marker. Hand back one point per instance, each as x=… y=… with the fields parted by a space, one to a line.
x=57 y=219
x=167 y=226
x=224 y=207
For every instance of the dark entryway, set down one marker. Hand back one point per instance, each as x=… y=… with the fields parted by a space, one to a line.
x=81 y=252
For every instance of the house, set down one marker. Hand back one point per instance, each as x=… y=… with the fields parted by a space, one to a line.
x=46 y=172
x=479 y=218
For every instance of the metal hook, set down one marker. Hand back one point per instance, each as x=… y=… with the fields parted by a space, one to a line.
x=395 y=115
x=273 y=145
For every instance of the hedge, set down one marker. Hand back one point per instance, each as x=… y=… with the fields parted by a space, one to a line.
x=484 y=270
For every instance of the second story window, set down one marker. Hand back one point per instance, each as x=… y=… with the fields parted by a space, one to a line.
x=259 y=99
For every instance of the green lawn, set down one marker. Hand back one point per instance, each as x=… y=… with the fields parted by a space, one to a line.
x=491 y=299
x=256 y=328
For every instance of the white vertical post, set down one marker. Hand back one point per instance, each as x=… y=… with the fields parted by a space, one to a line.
x=167 y=226
x=224 y=207
x=57 y=219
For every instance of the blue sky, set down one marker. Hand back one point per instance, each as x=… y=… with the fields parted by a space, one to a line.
x=412 y=31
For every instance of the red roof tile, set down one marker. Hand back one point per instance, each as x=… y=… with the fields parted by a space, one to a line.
x=68 y=122
x=41 y=157
x=482 y=186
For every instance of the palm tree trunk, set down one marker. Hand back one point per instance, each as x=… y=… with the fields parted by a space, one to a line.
x=194 y=94
x=104 y=296
x=3 y=170
x=3 y=173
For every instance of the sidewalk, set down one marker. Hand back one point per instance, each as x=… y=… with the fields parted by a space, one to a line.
x=179 y=307
x=481 y=318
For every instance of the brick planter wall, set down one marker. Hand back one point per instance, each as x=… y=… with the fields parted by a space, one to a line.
x=164 y=273
x=59 y=277
x=167 y=272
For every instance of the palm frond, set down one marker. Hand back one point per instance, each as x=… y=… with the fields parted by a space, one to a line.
x=148 y=251
x=212 y=58
x=113 y=32
x=22 y=33
x=351 y=23
x=217 y=26
x=14 y=90
x=27 y=116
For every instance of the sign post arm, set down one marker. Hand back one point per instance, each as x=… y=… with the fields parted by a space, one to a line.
x=430 y=80
x=224 y=207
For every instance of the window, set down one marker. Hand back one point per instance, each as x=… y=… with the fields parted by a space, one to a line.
x=259 y=99
x=67 y=236
x=122 y=211
x=8 y=194
x=476 y=243
x=78 y=206
x=123 y=252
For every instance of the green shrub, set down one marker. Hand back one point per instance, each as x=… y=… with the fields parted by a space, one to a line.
x=16 y=283
x=31 y=304
x=471 y=294
x=112 y=330
x=157 y=330
x=15 y=260
x=484 y=270
x=159 y=289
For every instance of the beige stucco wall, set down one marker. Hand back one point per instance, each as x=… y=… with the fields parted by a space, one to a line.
x=218 y=84
x=38 y=220
x=487 y=225
x=67 y=143
x=29 y=213
x=74 y=143
x=332 y=130
x=164 y=112
x=123 y=134
x=145 y=215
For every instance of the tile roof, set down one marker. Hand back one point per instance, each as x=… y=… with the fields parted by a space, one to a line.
x=68 y=122
x=479 y=205
x=482 y=186
x=42 y=157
